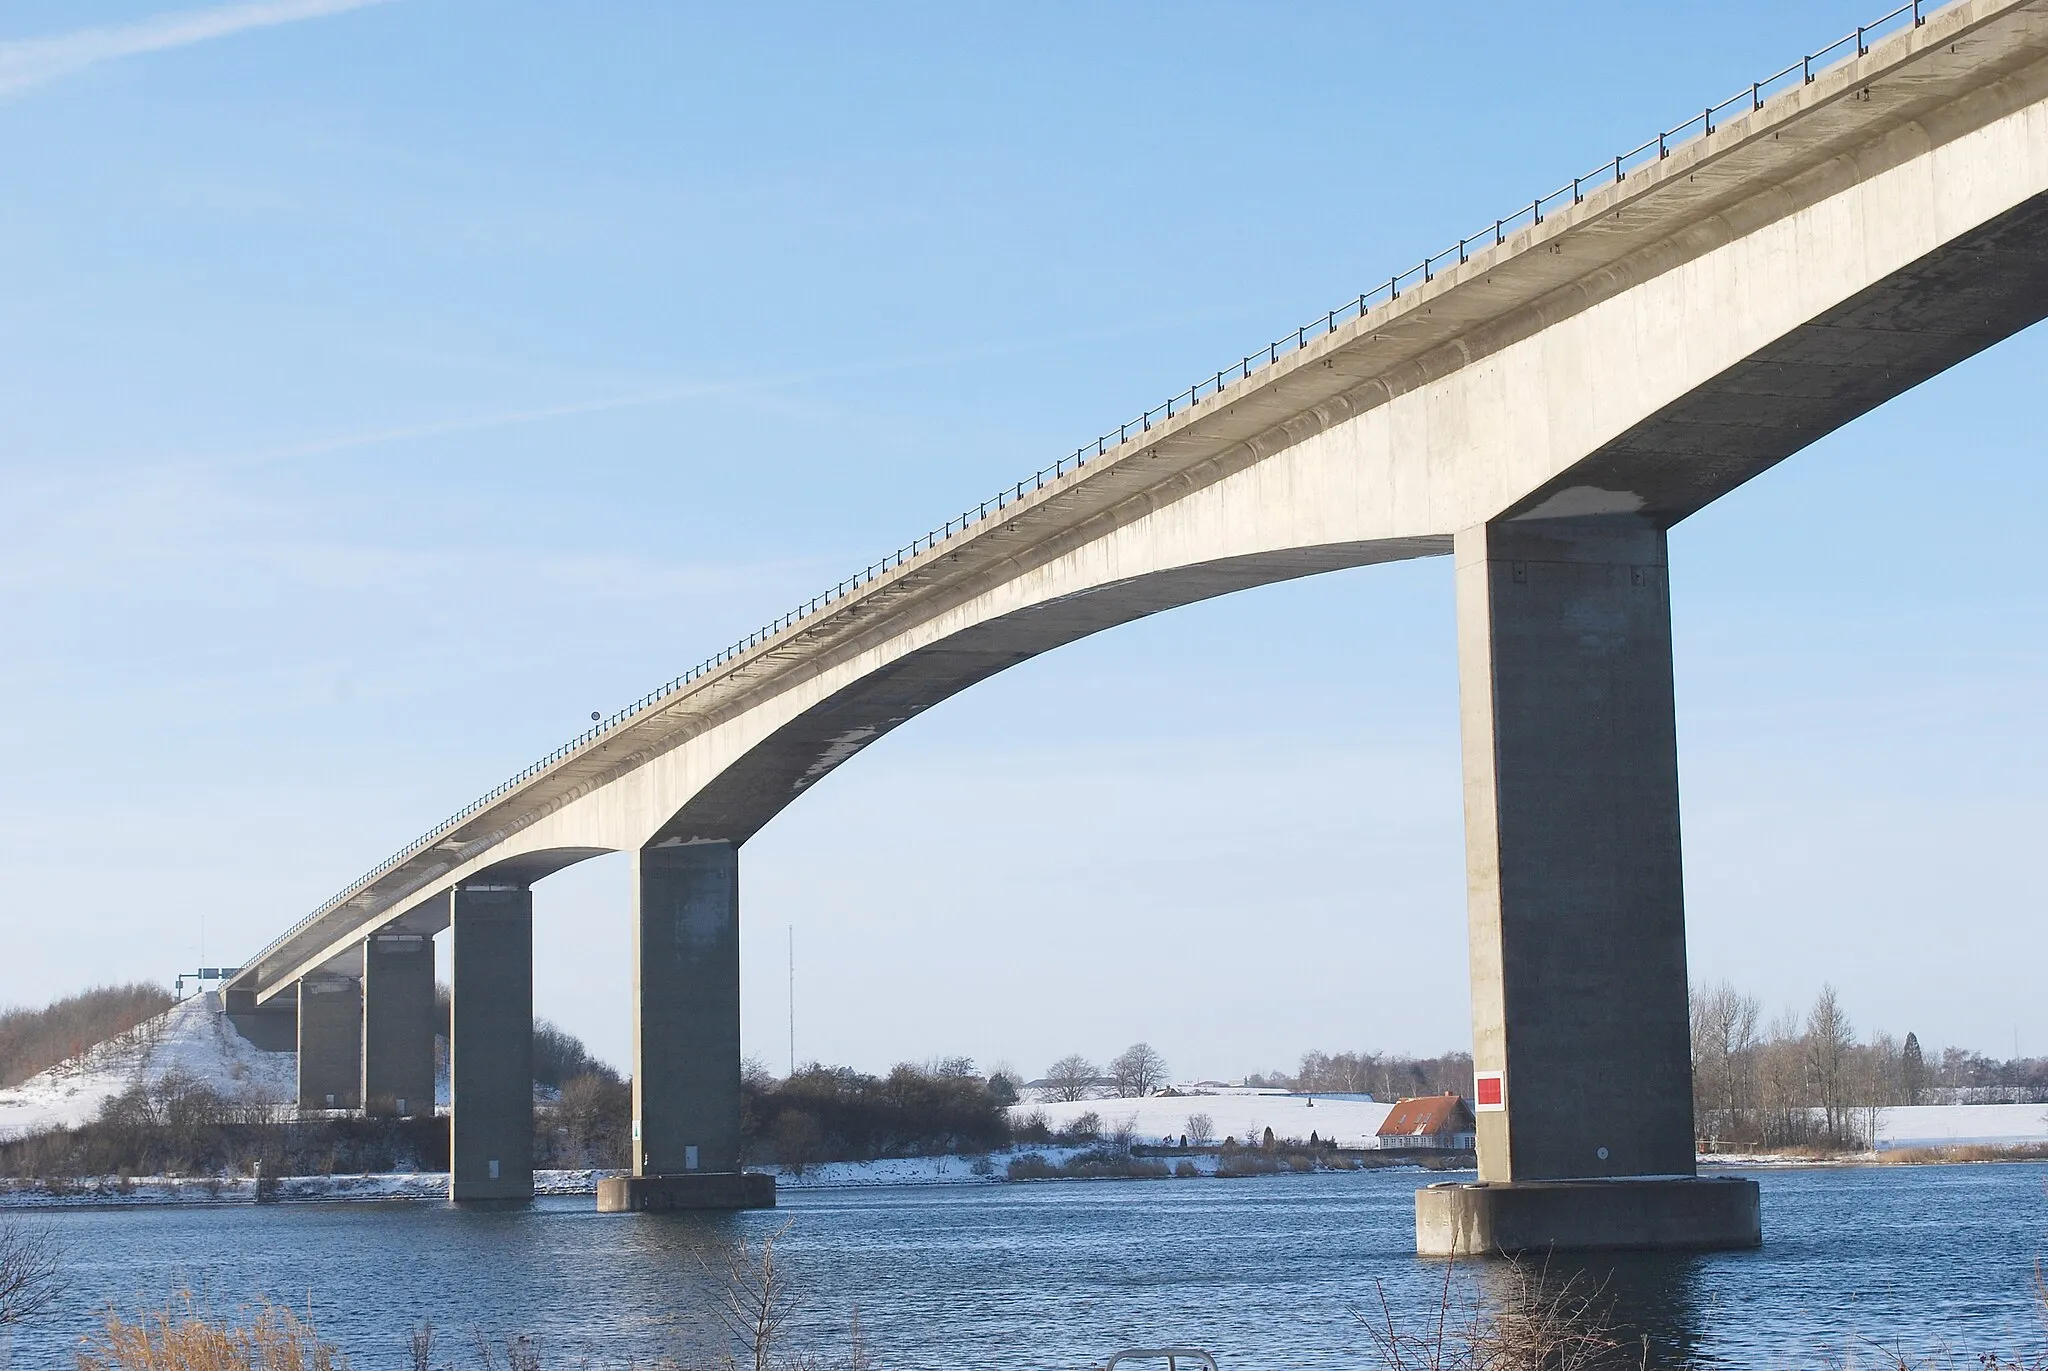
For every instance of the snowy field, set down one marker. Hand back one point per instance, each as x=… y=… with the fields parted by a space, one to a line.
x=1234 y=1112
x=1941 y=1125
x=113 y=1192
x=192 y=1037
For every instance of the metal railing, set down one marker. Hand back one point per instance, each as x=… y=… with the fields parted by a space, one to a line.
x=1610 y=173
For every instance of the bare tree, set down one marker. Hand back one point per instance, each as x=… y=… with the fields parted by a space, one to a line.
x=1724 y=1040
x=1071 y=1078
x=28 y=1272
x=1201 y=1130
x=1829 y=1039
x=757 y=1299
x=1138 y=1071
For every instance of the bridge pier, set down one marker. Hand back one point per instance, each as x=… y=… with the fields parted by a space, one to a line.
x=398 y=1025
x=1581 y=1047
x=686 y=1036
x=330 y=1041
x=490 y=1046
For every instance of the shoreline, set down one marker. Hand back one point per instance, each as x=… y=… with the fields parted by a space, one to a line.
x=114 y=1192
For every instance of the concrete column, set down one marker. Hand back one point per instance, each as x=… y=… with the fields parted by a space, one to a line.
x=398 y=1024
x=490 y=1052
x=1574 y=890
x=330 y=1042
x=686 y=1036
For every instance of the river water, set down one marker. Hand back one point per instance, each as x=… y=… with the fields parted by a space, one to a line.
x=1265 y=1272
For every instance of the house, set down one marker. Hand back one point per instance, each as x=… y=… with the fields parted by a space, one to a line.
x=1443 y=1121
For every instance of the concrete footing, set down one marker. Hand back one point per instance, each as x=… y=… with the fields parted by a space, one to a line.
x=700 y=1190
x=1458 y=1219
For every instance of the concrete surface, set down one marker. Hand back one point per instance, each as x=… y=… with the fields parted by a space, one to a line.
x=1643 y=352
x=1634 y=356
x=686 y=1023
x=490 y=1052
x=1574 y=894
x=654 y=1194
x=1458 y=1219
x=330 y=1042
x=398 y=1024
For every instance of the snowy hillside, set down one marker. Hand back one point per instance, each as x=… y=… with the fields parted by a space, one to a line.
x=192 y=1038
x=1240 y=1113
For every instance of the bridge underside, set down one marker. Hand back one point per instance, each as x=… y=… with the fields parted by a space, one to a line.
x=1475 y=441
x=1950 y=305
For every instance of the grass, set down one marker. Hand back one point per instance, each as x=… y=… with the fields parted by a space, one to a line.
x=1964 y=1152
x=185 y=1339
x=1539 y=1325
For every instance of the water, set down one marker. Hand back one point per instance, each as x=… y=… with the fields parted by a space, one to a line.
x=1265 y=1271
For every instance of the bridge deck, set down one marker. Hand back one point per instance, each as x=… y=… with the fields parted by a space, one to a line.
x=1967 y=65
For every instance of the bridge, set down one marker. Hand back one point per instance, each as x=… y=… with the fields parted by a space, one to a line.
x=1541 y=402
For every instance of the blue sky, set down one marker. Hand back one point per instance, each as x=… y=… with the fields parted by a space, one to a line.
x=385 y=387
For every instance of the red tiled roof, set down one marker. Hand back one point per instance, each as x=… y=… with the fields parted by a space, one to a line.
x=1426 y=1117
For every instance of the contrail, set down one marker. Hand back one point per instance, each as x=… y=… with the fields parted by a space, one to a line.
x=32 y=61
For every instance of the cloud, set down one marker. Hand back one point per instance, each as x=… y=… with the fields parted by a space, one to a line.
x=32 y=61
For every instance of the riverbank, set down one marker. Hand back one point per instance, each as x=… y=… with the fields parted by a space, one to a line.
x=1038 y=1164
x=988 y=1169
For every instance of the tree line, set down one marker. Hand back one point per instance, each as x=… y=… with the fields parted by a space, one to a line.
x=1809 y=1080
x=34 y=1040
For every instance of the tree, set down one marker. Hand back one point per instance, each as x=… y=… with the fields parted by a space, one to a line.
x=1912 y=1069
x=1071 y=1078
x=1724 y=1041
x=1138 y=1071
x=1201 y=1130
x=1829 y=1039
x=28 y=1272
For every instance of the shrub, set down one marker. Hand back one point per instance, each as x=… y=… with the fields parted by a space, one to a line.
x=591 y=1124
x=1033 y=1127
x=913 y=1111
x=1186 y=1169
x=1094 y=1165
x=1031 y=1166
x=1085 y=1127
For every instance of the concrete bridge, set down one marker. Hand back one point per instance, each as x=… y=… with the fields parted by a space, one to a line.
x=1542 y=404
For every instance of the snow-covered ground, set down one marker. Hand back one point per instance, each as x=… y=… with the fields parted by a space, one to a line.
x=1234 y=1112
x=112 y=1191
x=1941 y=1125
x=192 y=1038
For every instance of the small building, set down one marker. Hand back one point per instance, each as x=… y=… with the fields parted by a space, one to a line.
x=1442 y=1121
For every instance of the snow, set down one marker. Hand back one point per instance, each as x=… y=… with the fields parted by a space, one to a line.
x=1236 y=1112
x=193 y=1038
x=1940 y=1125
x=908 y=1170
x=114 y=1192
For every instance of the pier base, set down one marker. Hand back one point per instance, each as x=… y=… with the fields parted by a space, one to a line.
x=698 y=1190
x=1460 y=1219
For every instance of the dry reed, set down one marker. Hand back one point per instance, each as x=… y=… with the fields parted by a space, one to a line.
x=187 y=1339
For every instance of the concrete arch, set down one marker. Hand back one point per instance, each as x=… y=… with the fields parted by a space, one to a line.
x=809 y=746
x=1545 y=411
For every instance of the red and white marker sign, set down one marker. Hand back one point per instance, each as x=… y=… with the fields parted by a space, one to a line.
x=1489 y=1091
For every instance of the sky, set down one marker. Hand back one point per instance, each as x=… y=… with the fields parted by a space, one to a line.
x=386 y=386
